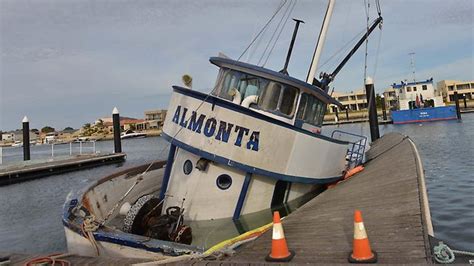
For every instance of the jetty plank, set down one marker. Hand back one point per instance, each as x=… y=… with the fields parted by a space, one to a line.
x=19 y=173
x=391 y=194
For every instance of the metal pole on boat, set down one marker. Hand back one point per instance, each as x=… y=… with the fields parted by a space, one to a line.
x=384 y=111
x=456 y=100
x=370 y=94
x=320 y=45
x=26 y=139
x=290 y=49
x=116 y=125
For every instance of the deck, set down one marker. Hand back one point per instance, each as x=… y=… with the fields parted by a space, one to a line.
x=391 y=194
x=23 y=171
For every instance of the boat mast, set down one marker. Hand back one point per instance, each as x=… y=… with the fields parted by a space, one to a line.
x=412 y=56
x=320 y=44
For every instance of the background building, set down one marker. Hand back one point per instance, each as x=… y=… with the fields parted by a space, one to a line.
x=448 y=87
x=354 y=100
x=154 y=119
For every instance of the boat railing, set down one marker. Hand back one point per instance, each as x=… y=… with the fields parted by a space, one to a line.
x=356 y=150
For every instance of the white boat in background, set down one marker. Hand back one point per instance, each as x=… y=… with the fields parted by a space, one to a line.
x=17 y=144
x=251 y=145
x=130 y=134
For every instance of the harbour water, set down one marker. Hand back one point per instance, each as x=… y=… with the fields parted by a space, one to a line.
x=30 y=220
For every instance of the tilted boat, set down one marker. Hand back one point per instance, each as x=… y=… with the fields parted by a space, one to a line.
x=252 y=144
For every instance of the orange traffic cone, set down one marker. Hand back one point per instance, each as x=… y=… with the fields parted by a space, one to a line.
x=280 y=252
x=361 y=251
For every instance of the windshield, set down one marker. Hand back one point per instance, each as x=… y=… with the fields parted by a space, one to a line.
x=274 y=97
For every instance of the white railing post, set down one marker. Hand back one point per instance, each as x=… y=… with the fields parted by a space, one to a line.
x=1 y=155
x=94 y=146
x=70 y=148
x=52 y=149
x=80 y=147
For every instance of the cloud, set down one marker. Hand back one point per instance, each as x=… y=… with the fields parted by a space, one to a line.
x=66 y=63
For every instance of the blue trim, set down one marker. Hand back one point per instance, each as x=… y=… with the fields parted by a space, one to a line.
x=243 y=194
x=246 y=111
x=248 y=168
x=166 y=175
x=277 y=76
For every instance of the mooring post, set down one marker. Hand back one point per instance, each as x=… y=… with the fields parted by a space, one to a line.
x=347 y=113
x=370 y=94
x=456 y=100
x=116 y=123
x=464 y=98
x=26 y=139
x=384 y=111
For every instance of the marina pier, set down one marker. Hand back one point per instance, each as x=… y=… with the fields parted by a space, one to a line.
x=16 y=173
x=392 y=196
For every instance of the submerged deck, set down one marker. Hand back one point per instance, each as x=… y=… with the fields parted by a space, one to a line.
x=23 y=171
x=391 y=194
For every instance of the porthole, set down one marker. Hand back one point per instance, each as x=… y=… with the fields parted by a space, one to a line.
x=224 y=181
x=187 y=167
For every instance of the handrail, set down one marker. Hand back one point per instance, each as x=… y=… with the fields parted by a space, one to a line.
x=355 y=153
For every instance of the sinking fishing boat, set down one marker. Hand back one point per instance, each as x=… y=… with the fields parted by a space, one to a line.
x=251 y=145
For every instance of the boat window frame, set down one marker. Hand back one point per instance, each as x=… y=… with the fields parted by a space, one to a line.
x=265 y=82
x=318 y=113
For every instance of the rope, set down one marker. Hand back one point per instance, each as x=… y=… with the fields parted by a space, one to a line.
x=52 y=259
x=274 y=32
x=281 y=30
x=444 y=254
x=264 y=27
x=88 y=227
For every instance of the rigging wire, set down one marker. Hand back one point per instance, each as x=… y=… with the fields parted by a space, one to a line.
x=255 y=47
x=281 y=30
x=264 y=27
x=274 y=32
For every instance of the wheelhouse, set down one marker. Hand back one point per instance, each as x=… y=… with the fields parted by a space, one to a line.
x=271 y=93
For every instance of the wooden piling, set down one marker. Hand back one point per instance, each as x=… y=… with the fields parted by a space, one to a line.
x=456 y=100
x=116 y=126
x=26 y=139
x=370 y=94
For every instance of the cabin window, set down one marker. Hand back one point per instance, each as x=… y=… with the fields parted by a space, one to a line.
x=424 y=87
x=274 y=97
x=408 y=89
x=414 y=88
x=246 y=84
x=311 y=110
x=278 y=98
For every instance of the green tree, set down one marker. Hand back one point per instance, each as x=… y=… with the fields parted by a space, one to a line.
x=47 y=129
x=68 y=128
x=378 y=101
x=187 y=81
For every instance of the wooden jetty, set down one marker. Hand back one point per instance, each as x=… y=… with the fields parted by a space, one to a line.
x=22 y=172
x=392 y=196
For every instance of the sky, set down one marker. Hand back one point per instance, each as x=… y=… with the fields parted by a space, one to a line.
x=67 y=63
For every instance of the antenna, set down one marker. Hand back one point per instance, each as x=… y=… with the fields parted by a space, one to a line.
x=412 y=63
x=290 y=49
